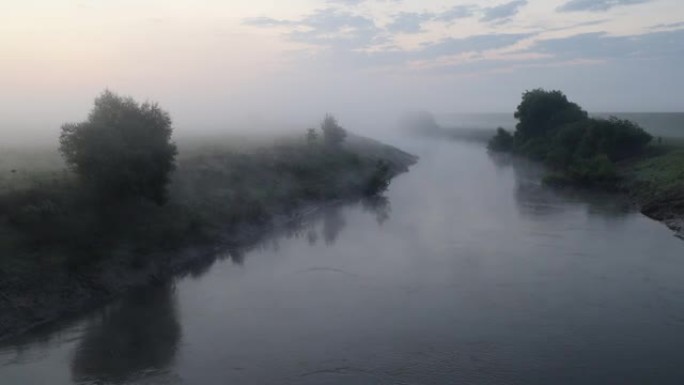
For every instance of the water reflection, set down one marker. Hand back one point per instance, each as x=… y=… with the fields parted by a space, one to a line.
x=380 y=206
x=325 y=223
x=333 y=224
x=137 y=337
x=535 y=199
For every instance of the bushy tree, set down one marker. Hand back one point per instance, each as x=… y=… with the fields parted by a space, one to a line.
x=333 y=133
x=542 y=111
x=558 y=132
x=311 y=137
x=123 y=150
x=502 y=141
x=618 y=139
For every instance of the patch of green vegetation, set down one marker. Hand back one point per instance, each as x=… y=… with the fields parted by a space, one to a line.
x=580 y=150
x=122 y=201
x=103 y=210
x=659 y=174
x=502 y=141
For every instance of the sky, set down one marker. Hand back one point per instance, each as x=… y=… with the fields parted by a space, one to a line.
x=214 y=63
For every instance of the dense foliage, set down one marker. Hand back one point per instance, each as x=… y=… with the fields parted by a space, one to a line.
x=541 y=112
x=502 y=141
x=123 y=149
x=65 y=222
x=581 y=150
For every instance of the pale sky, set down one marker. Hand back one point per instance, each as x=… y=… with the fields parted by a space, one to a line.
x=211 y=62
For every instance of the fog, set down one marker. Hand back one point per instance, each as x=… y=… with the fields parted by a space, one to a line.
x=245 y=66
x=341 y=191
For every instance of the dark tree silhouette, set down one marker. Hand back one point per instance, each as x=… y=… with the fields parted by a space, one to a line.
x=542 y=111
x=333 y=133
x=123 y=149
x=311 y=136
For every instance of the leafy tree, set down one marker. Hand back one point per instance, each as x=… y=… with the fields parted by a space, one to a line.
x=542 y=111
x=311 y=136
x=502 y=141
x=558 y=132
x=123 y=150
x=333 y=133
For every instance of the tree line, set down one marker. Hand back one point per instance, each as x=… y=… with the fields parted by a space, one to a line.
x=580 y=149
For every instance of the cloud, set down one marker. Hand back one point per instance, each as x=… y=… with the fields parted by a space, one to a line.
x=600 y=45
x=346 y=2
x=476 y=43
x=266 y=22
x=502 y=12
x=409 y=22
x=457 y=12
x=596 y=5
x=336 y=29
x=669 y=26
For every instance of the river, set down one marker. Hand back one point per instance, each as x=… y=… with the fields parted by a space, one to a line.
x=470 y=272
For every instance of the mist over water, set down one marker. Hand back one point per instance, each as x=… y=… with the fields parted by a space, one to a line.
x=232 y=219
x=470 y=271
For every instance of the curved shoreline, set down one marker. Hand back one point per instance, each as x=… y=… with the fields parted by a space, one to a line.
x=42 y=294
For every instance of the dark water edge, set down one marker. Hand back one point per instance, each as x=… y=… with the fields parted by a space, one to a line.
x=114 y=279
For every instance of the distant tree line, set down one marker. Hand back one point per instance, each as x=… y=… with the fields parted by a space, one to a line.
x=581 y=150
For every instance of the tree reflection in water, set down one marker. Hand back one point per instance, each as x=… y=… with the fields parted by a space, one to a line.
x=135 y=338
x=535 y=199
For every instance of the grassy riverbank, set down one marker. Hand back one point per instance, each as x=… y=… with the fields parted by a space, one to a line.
x=587 y=152
x=656 y=181
x=63 y=248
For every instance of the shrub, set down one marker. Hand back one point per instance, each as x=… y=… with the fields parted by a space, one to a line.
x=311 y=137
x=558 y=132
x=379 y=180
x=333 y=133
x=123 y=149
x=502 y=141
x=543 y=111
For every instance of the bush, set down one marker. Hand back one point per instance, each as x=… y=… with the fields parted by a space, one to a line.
x=123 y=149
x=333 y=133
x=380 y=179
x=543 y=111
x=502 y=141
x=579 y=149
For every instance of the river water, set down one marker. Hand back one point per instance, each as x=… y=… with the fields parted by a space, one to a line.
x=470 y=272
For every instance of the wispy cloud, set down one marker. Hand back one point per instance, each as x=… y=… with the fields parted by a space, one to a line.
x=596 y=5
x=457 y=12
x=502 y=12
x=409 y=22
x=267 y=22
x=600 y=45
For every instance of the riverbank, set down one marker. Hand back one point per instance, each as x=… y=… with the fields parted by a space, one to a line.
x=652 y=177
x=64 y=252
x=656 y=183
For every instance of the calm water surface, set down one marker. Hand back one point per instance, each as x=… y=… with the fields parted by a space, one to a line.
x=469 y=273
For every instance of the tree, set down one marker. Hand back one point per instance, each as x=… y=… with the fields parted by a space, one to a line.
x=123 y=150
x=333 y=133
x=502 y=141
x=311 y=137
x=543 y=111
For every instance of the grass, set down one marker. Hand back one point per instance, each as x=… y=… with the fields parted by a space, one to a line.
x=48 y=220
x=658 y=175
